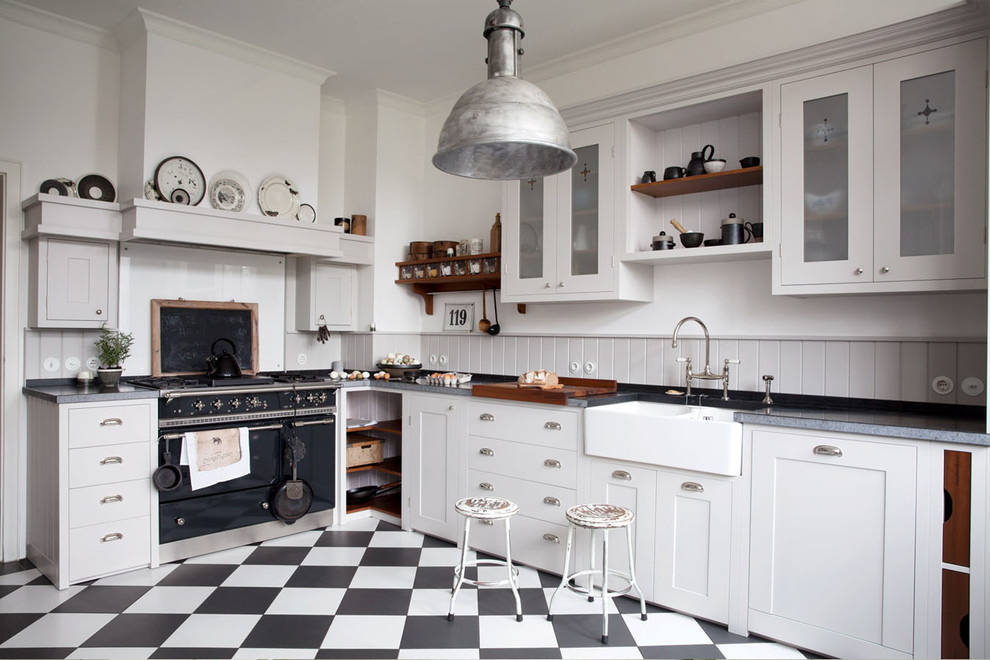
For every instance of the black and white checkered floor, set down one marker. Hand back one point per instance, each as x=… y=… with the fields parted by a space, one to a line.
x=367 y=590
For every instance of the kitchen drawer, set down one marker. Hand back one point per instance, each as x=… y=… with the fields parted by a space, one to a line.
x=553 y=466
x=109 y=547
x=535 y=500
x=109 y=425
x=106 y=502
x=535 y=542
x=549 y=426
x=106 y=465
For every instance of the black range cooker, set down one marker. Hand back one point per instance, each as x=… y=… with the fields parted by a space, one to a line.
x=288 y=416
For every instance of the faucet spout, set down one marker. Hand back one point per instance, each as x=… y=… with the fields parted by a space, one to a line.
x=677 y=328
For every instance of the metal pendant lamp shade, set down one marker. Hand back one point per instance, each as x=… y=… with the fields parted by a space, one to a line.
x=504 y=128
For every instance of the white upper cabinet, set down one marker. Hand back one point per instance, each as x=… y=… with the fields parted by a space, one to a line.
x=325 y=295
x=73 y=284
x=883 y=176
x=559 y=234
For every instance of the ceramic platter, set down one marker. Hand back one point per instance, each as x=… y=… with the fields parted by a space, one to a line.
x=307 y=214
x=278 y=198
x=229 y=191
x=180 y=181
x=96 y=187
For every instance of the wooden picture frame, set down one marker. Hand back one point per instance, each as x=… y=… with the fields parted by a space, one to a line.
x=182 y=332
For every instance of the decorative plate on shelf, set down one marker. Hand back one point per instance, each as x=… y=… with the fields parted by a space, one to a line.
x=307 y=214
x=278 y=198
x=229 y=191
x=180 y=181
x=96 y=187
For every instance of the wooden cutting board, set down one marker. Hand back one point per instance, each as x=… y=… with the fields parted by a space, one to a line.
x=572 y=387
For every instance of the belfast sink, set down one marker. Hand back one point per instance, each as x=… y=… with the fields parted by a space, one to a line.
x=669 y=435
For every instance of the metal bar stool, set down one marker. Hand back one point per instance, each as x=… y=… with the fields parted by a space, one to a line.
x=602 y=517
x=488 y=509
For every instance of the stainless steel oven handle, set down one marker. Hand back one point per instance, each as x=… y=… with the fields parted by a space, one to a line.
x=314 y=422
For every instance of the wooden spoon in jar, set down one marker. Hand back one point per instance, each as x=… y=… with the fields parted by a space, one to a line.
x=484 y=323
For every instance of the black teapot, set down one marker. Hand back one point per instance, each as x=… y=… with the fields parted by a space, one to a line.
x=225 y=364
x=698 y=160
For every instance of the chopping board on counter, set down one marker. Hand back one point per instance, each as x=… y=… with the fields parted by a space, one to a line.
x=572 y=387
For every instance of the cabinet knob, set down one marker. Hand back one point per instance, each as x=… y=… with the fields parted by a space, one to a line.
x=450 y=408
x=264 y=505
x=111 y=499
x=828 y=450
x=116 y=536
x=180 y=521
x=484 y=485
x=99 y=312
x=112 y=460
x=485 y=451
x=692 y=487
x=858 y=271
x=546 y=286
x=560 y=285
x=884 y=269
x=622 y=474
x=551 y=463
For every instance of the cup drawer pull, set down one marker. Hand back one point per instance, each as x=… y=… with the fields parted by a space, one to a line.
x=552 y=501
x=484 y=485
x=112 y=421
x=622 y=474
x=485 y=451
x=112 y=499
x=116 y=536
x=112 y=460
x=828 y=450
x=552 y=426
x=487 y=417
x=693 y=487
x=552 y=538
x=551 y=463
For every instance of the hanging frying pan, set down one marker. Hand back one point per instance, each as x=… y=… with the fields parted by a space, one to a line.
x=292 y=498
x=167 y=476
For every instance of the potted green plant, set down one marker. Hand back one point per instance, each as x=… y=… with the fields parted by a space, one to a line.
x=112 y=348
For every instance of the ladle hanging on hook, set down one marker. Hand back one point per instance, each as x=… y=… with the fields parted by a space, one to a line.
x=494 y=330
x=484 y=324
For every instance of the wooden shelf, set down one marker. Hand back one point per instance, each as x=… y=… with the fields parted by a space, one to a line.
x=426 y=287
x=393 y=426
x=750 y=176
x=391 y=465
x=390 y=503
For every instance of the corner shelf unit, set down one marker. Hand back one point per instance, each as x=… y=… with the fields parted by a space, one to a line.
x=391 y=502
x=428 y=285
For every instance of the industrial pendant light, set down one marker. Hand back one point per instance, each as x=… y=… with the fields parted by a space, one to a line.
x=504 y=128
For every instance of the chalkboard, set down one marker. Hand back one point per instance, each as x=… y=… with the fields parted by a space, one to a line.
x=183 y=332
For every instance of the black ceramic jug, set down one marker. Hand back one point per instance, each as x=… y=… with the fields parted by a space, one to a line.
x=698 y=159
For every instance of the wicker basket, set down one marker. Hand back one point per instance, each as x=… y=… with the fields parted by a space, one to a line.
x=363 y=450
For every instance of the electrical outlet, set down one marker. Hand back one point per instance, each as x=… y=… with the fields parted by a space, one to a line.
x=972 y=386
x=942 y=385
x=433 y=358
x=442 y=360
x=589 y=368
x=301 y=359
x=575 y=367
x=72 y=363
x=51 y=364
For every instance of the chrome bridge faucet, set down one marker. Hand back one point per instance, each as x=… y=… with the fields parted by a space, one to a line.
x=707 y=374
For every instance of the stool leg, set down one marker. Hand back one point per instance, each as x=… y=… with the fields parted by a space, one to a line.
x=512 y=577
x=632 y=573
x=563 y=578
x=459 y=580
x=591 y=575
x=605 y=596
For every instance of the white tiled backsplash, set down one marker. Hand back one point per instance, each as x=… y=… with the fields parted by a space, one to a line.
x=893 y=370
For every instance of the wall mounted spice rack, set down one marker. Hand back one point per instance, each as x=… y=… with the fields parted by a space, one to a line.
x=446 y=274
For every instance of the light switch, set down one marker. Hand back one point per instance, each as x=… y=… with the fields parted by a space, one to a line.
x=51 y=364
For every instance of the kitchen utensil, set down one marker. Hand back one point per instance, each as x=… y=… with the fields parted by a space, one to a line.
x=292 y=498
x=167 y=476
x=750 y=161
x=484 y=323
x=649 y=176
x=698 y=159
x=359 y=224
x=494 y=329
x=663 y=242
x=674 y=172
x=734 y=231
x=362 y=494
x=678 y=226
x=711 y=242
x=403 y=371
x=692 y=239
x=225 y=364
x=714 y=165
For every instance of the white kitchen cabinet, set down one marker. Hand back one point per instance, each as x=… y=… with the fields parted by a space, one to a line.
x=72 y=283
x=433 y=435
x=325 y=295
x=528 y=454
x=883 y=176
x=833 y=545
x=559 y=233
x=92 y=510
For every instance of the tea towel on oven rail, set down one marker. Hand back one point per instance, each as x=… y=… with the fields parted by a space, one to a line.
x=216 y=455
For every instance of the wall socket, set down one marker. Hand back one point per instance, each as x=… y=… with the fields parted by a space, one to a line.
x=575 y=367
x=942 y=385
x=589 y=368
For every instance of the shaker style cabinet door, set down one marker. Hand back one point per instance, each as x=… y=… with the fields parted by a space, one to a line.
x=324 y=295
x=826 y=230
x=75 y=282
x=931 y=135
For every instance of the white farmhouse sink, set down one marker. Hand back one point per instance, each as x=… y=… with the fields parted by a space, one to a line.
x=670 y=435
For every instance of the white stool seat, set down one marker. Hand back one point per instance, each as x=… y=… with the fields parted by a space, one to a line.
x=600 y=516
x=486 y=508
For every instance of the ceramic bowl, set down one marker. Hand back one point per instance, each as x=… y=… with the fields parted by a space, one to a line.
x=714 y=165
x=692 y=239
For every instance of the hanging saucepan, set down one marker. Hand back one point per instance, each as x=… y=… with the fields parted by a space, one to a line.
x=292 y=499
x=167 y=476
x=225 y=364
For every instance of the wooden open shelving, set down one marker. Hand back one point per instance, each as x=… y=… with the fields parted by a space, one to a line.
x=391 y=502
x=427 y=285
x=749 y=176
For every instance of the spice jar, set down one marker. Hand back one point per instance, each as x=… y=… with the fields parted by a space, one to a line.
x=474 y=267
x=445 y=269
x=460 y=268
x=419 y=271
x=405 y=273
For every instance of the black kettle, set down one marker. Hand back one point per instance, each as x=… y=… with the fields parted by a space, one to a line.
x=225 y=364
x=698 y=160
